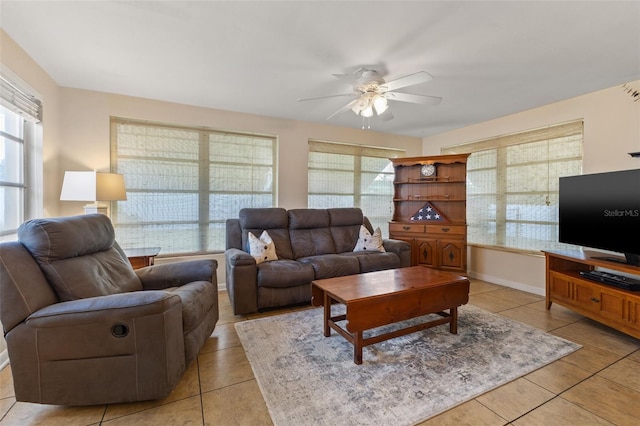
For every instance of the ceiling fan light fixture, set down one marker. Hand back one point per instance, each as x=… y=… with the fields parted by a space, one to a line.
x=380 y=104
x=371 y=93
x=367 y=112
x=359 y=105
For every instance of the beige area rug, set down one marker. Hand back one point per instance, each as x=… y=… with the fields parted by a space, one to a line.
x=307 y=379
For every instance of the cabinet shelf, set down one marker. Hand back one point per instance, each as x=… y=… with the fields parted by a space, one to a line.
x=429 y=198
x=422 y=180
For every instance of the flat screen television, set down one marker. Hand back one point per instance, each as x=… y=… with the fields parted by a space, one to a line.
x=602 y=211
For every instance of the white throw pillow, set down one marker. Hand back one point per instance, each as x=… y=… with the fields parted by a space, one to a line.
x=368 y=242
x=262 y=249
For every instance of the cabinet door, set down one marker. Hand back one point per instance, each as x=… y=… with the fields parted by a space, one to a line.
x=559 y=287
x=612 y=305
x=608 y=303
x=427 y=252
x=587 y=296
x=452 y=255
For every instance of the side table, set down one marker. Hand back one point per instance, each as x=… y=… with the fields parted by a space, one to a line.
x=141 y=257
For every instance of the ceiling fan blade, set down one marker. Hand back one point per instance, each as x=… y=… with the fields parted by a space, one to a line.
x=327 y=97
x=409 y=80
x=343 y=109
x=415 y=99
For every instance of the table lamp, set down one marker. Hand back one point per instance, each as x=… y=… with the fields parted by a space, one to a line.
x=93 y=186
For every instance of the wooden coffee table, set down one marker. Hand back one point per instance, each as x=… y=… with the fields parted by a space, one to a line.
x=379 y=298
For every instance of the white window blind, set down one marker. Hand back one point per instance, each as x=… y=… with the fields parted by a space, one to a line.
x=183 y=183
x=512 y=185
x=19 y=100
x=347 y=175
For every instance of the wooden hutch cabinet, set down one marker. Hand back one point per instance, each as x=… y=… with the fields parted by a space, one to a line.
x=437 y=184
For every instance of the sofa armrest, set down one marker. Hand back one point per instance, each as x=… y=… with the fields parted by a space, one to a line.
x=102 y=309
x=237 y=257
x=241 y=281
x=158 y=277
x=401 y=248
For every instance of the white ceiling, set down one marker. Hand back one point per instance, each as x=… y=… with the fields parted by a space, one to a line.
x=488 y=59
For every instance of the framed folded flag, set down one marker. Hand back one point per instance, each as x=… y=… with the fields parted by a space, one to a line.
x=428 y=213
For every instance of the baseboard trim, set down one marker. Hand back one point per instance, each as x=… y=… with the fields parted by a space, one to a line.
x=4 y=359
x=511 y=284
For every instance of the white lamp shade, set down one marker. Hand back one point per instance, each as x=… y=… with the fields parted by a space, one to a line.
x=380 y=104
x=367 y=112
x=93 y=186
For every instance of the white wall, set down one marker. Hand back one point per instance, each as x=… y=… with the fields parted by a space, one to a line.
x=611 y=131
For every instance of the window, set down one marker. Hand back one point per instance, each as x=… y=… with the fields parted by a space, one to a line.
x=512 y=185
x=344 y=175
x=20 y=157
x=183 y=183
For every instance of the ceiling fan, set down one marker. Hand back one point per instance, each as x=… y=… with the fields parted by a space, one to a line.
x=371 y=93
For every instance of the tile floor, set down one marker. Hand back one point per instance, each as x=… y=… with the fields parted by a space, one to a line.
x=596 y=385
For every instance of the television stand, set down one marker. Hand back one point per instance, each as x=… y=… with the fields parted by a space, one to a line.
x=611 y=259
x=614 y=307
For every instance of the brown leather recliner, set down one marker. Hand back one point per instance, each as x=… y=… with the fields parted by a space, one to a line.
x=83 y=327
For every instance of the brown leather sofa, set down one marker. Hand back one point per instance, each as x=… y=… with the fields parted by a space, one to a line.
x=310 y=244
x=83 y=327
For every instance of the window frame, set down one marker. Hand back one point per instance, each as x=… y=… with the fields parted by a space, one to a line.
x=16 y=214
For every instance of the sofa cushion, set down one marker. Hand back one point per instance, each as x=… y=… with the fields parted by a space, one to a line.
x=78 y=257
x=345 y=216
x=270 y=297
x=374 y=261
x=284 y=273
x=332 y=265
x=267 y=218
x=274 y=220
x=309 y=232
x=345 y=226
x=262 y=249
x=368 y=241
